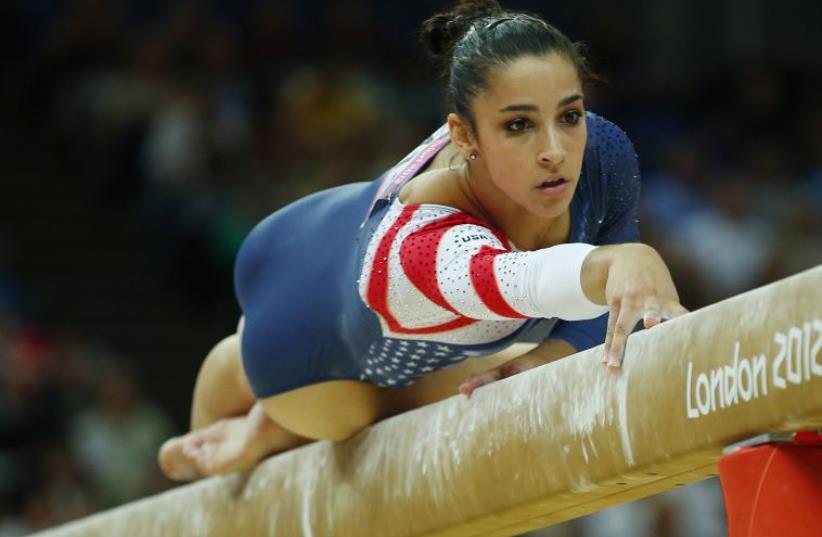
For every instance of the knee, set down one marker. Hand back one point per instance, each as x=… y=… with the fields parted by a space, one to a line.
x=221 y=388
x=225 y=357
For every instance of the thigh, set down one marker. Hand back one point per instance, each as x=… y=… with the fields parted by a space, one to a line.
x=222 y=388
x=444 y=383
x=332 y=410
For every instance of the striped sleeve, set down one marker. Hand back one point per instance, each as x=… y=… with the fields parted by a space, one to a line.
x=471 y=270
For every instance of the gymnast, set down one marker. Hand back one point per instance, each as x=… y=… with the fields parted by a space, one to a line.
x=513 y=222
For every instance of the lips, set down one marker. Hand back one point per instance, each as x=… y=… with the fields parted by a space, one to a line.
x=552 y=183
x=553 y=186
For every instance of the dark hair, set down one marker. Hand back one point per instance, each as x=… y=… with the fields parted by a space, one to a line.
x=476 y=36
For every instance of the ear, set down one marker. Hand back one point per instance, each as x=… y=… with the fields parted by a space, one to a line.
x=461 y=135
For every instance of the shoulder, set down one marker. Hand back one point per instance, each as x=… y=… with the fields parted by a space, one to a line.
x=612 y=181
x=611 y=154
x=438 y=186
x=419 y=233
x=608 y=140
x=432 y=220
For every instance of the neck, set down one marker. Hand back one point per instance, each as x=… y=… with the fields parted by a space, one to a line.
x=526 y=230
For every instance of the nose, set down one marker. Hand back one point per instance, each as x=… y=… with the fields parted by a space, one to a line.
x=552 y=152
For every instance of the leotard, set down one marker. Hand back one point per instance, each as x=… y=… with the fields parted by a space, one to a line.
x=350 y=284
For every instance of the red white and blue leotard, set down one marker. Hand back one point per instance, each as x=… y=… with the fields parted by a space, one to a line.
x=432 y=271
x=411 y=289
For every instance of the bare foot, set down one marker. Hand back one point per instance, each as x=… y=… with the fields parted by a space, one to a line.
x=225 y=446
x=174 y=463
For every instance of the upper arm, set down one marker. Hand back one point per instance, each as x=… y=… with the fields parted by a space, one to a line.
x=619 y=168
x=453 y=263
x=332 y=410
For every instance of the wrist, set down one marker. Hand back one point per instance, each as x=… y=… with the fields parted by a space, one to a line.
x=600 y=263
x=553 y=284
x=594 y=273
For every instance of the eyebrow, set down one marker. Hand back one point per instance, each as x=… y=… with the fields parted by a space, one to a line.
x=533 y=108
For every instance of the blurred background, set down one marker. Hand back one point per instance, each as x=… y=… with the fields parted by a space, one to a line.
x=141 y=139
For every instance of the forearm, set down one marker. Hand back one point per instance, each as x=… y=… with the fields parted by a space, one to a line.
x=221 y=389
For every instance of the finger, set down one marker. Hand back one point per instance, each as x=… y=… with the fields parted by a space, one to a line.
x=479 y=379
x=654 y=314
x=613 y=315
x=674 y=310
x=669 y=311
x=651 y=317
x=626 y=321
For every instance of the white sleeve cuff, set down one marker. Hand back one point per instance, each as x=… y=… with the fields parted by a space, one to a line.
x=554 y=283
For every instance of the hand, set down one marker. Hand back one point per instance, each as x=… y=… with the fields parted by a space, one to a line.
x=550 y=350
x=639 y=286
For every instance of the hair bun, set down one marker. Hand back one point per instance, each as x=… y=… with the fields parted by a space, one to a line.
x=442 y=31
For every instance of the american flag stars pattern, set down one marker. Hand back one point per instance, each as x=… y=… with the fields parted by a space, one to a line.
x=397 y=362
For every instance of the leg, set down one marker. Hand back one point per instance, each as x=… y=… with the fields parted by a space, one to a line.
x=237 y=443
x=336 y=410
x=228 y=431
x=221 y=389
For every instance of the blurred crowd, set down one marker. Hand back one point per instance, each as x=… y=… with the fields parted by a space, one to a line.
x=76 y=436
x=201 y=118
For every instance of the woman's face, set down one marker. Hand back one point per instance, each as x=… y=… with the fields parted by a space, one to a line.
x=531 y=133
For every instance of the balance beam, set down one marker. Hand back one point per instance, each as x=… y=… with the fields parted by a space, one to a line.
x=539 y=448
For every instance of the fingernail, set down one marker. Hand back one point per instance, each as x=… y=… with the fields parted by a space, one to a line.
x=613 y=360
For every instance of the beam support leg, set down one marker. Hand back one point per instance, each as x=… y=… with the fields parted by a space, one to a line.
x=774 y=488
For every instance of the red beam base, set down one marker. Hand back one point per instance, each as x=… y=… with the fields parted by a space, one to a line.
x=775 y=489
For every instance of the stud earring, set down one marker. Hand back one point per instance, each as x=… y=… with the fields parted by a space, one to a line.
x=472 y=156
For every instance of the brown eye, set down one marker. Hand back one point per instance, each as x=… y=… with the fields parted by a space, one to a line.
x=517 y=125
x=571 y=117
